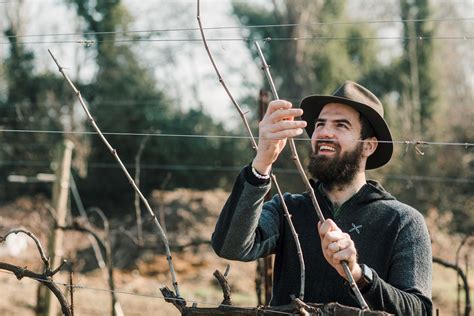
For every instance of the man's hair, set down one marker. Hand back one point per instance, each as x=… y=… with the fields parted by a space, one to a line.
x=366 y=130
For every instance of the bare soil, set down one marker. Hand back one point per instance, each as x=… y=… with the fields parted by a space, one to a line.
x=190 y=217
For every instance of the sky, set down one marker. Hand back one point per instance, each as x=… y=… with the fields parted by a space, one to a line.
x=189 y=78
x=182 y=69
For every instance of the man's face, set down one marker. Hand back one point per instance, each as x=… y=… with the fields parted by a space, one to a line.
x=337 y=122
x=337 y=152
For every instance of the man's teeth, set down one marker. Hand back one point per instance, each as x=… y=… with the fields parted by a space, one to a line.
x=324 y=147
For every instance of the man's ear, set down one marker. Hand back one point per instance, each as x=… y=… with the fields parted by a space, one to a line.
x=370 y=145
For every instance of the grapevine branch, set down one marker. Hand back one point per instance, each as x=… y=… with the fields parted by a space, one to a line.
x=45 y=260
x=462 y=275
x=113 y=151
x=296 y=159
x=224 y=284
x=254 y=146
x=45 y=278
x=105 y=243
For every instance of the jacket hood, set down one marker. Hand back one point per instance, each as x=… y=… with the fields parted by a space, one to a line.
x=372 y=191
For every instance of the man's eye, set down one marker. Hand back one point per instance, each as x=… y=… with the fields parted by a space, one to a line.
x=342 y=125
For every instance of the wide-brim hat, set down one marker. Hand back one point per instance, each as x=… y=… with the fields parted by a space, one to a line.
x=368 y=105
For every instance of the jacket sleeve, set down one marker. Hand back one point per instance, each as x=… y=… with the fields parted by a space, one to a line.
x=247 y=229
x=407 y=291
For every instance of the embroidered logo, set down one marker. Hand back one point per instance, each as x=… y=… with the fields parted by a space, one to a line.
x=355 y=228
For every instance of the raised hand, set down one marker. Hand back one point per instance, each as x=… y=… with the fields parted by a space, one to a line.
x=276 y=126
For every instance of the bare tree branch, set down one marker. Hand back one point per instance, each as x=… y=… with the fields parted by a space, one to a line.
x=170 y=297
x=71 y=288
x=224 y=286
x=45 y=260
x=138 y=210
x=45 y=278
x=41 y=278
x=113 y=151
x=456 y=262
x=82 y=212
x=457 y=268
x=254 y=146
x=105 y=244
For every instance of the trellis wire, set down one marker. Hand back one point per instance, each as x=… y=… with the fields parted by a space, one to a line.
x=246 y=39
x=283 y=25
x=402 y=142
x=84 y=287
x=216 y=168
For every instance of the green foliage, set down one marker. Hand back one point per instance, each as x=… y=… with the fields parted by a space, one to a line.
x=32 y=102
x=122 y=80
x=316 y=64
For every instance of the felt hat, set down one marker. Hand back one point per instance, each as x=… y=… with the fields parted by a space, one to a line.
x=368 y=105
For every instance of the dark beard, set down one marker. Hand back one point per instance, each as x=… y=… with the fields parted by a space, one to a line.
x=335 y=171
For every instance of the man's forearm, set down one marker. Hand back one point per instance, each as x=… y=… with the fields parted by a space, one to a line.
x=238 y=234
x=385 y=297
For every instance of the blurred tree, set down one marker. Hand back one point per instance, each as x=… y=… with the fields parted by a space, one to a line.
x=124 y=97
x=443 y=114
x=314 y=63
x=31 y=102
x=324 y=56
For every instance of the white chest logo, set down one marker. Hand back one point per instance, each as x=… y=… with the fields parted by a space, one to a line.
x=355 y=228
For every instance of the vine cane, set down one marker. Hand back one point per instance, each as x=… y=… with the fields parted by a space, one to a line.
x=295 y=158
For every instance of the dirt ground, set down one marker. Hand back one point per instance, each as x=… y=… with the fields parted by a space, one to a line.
x=189 y=217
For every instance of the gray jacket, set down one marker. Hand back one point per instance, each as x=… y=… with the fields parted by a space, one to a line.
x=390 y=237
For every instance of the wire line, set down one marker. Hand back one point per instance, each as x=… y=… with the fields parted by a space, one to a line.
x=239 y=27
x=245 y=39
x=218 y=168
x=402 y=142
x=84 y=287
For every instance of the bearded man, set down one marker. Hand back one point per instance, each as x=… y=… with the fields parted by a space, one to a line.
x=385 y=242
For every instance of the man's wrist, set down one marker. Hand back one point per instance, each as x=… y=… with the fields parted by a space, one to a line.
x=357 y=273
x=261 y=168
x=253 y=178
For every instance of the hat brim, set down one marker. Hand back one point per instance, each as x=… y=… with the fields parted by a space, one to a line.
x=312 y=106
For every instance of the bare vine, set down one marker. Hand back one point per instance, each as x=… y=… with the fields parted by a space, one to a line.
x=254 y=146
x=105 y=243
x=113 y=151
x=44 y=278
x=462 y=275
x=309 y=188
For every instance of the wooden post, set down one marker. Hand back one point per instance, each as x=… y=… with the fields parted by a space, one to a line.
x=47 y=304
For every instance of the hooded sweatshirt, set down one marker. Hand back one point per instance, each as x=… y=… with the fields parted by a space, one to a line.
x=391 y=238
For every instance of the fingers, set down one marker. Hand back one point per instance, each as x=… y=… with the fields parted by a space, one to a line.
x=337 y=246
x=277 y=105
x=342 y=250
x=277 y=125
x=284 y=114
x=327 y=226
x=279 y=110
x=279 y=121
x=285 y=129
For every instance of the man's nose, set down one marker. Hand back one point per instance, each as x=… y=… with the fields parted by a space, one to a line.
x=323 y=132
